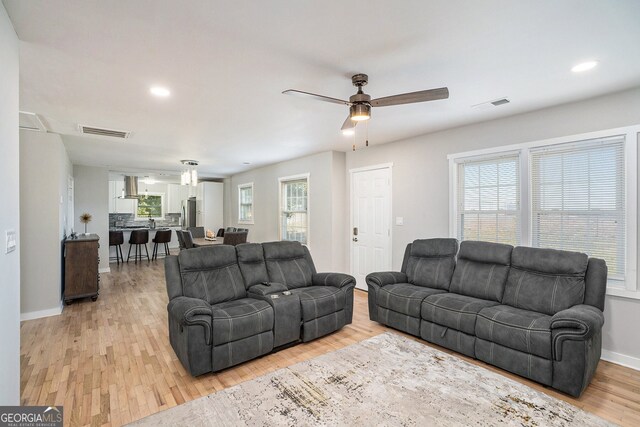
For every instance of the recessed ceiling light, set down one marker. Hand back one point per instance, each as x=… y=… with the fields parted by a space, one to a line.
x=160 y=91
x=246 y=163
x=584 y=66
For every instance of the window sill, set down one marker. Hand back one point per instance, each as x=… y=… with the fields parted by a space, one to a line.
x=245 y=222
x=623 y=293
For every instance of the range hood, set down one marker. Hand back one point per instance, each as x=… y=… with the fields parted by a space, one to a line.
x=130 y=188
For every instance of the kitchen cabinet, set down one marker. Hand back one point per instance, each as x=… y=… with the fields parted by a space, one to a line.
x=176 y=193
x=117 y=205
x=81 y=277
x=209 y=205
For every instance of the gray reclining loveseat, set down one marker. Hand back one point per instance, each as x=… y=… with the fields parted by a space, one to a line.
x=534 y=312
x=231 y=304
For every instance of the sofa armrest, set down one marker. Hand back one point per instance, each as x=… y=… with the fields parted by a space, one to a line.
x=271 y=288
x=338 y=280
x=578 y=323
x=384 y=278
x=192 y=311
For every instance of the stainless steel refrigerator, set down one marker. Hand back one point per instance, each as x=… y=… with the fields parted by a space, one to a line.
x=189 y=212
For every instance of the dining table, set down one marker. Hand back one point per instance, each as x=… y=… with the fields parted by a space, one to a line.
x=201 y=241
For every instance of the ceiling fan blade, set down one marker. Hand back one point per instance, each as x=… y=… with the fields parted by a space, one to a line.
x=348 y=124
x=316 y=96
x=409 y=98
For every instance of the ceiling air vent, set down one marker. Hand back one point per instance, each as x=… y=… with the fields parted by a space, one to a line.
x=489 y=104
x=31 y=121
x=89 y=130
x=500 y=102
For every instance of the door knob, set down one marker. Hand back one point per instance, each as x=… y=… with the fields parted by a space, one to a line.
x=355 y=239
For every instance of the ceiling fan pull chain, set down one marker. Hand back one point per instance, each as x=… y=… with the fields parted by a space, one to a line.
x=366 y=130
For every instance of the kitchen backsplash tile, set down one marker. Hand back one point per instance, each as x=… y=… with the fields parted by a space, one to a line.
x=126 y=220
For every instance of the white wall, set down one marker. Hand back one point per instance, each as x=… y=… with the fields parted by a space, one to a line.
x=9 y=215
x=92 y=196
x=44 y=168
x=326 y=187
x=421 y=193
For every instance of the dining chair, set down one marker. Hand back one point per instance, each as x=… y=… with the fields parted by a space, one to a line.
x=197 y=232
x=180 y=239
x=188 y=240
x=234 y=238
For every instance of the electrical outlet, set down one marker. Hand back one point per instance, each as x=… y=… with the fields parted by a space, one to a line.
x=11 y=240
x=399 y=220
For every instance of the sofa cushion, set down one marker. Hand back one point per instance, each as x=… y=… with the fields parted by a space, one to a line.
x=318 y=301
x=211 y=273
x=481 y=270
x=523 y=330
x=454 y=311
x=545 y=280
x=251 y=263
x=242 y=318
x=404 y=298
x=288 y=263
x=431 y=262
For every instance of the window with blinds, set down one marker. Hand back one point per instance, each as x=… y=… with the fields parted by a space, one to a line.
x=489 y=199
x=578 y=199
x=245 y=203
x=294 y=210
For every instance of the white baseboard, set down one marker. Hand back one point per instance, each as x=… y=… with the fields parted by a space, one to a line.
x=41 y=313
x=621 y=359
x=104 y=270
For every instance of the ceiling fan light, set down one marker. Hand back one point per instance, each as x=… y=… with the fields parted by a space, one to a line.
x=360 y=112
x=348 y=132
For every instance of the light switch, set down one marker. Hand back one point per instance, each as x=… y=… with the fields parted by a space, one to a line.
x=11 y=240
x=399 y=220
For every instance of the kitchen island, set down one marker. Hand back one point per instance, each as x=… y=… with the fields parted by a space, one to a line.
x=152 y=233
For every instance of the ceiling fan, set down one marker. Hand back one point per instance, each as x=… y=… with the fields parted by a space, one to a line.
x=360 y=104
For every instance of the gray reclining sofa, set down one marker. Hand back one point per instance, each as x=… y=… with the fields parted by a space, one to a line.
x=534 y=312
x=226 y=303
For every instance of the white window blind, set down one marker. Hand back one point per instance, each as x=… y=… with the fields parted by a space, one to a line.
x=294 y=210
x=578 y=199
x=488 y=205
x=245 y=211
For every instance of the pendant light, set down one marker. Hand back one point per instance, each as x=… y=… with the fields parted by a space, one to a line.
x=189 y=174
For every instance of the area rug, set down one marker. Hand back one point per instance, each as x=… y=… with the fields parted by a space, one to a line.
x=385 y=380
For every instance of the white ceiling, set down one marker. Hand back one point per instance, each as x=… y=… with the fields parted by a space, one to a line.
x=227 y=62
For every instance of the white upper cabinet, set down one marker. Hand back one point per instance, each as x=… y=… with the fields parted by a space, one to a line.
x=117 y=205
x=176 y=194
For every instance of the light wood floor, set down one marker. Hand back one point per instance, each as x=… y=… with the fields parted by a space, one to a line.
x=109 y=362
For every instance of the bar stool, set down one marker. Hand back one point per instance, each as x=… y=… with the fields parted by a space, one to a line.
x=116 y=238
x=138 y=238
x=162 y=237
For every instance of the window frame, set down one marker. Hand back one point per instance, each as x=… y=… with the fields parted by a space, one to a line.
x=629 y=288
x=163 y=208
x=283 y=180
x=240 y=188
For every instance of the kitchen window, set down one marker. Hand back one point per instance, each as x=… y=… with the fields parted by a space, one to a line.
x=245 y=203
x=150 y=206
x=576 y=193
x=294 y=208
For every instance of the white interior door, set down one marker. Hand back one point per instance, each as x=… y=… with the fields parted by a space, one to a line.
x=370 y=222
